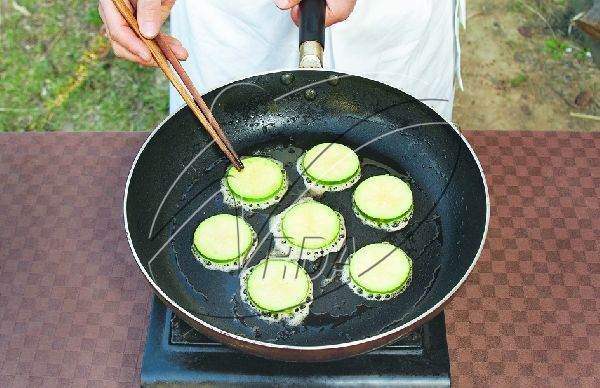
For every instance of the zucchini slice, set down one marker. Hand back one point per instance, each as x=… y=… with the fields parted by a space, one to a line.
x=380 y=269
x=310 y=225
x=384 y=199
x=331 y=163
x=260 y=180
x=223 y=238
x=278 y=286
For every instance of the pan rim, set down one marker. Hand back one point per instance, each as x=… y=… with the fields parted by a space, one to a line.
x=412 y=323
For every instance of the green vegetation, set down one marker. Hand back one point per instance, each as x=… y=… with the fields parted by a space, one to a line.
x=583 y=54
x=518 y=80
x=57 y=73
x=555 y=48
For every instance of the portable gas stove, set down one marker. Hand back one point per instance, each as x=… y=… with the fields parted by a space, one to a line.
x=177 y=355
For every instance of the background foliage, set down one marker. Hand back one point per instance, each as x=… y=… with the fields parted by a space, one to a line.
x=58 y=72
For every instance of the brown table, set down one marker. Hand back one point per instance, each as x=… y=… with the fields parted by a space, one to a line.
x=73 y=305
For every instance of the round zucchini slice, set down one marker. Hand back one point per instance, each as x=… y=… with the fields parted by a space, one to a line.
x=310 y=225
x=380 y=269
x=260 y=180
x=223 y=238
x=276 y=285
x=384 y=199
x=331 y=164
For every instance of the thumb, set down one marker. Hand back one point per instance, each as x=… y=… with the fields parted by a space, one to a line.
x=286 y=4
x=149 y=17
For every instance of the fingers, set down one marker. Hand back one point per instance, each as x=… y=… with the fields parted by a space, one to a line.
x=286 y=4
x=149 y=17
x=120 y=32
x=338 y=11
x=335 y=12
x=295 y=13
x=123 y=53
x=125 y=42
x=180 y=52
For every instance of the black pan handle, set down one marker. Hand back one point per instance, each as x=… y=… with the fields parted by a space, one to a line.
x=312 y=21
x=312 y=33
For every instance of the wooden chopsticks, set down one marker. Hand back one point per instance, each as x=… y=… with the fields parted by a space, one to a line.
x=163 y=55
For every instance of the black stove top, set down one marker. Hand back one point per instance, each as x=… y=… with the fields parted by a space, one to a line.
x=178 y=356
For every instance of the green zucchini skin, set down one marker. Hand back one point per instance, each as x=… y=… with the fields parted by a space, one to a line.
x=269 y=166
x=388 y=292
x=334 y=157
x=288 y=243
x=329 y=167
x=210 y=233
x=274 y=298
x=216 y=261
x=334 y=183
x=310 y=212
x=380 y=262
x=403 y=218
x=383 y=195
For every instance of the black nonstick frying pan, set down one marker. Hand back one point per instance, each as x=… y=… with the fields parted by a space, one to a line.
x=174 y=184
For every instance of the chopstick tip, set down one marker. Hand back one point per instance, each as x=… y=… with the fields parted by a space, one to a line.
x=238 y=164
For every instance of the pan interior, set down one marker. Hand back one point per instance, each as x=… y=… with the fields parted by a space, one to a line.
x=442 y=238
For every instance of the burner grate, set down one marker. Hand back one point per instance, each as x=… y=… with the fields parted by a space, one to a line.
x=178 y=355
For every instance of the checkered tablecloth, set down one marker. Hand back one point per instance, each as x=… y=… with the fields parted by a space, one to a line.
x=74 y=307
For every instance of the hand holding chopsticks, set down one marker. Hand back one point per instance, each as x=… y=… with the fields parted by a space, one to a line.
x=163 y=55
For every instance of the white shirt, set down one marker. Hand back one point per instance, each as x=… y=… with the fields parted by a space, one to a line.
x=411 y=45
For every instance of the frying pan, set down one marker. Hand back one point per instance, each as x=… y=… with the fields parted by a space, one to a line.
x=175 y=179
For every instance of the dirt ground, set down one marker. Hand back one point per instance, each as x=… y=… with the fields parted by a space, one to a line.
x=515 y=79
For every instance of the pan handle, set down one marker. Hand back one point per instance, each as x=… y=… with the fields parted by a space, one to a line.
x=312 y=33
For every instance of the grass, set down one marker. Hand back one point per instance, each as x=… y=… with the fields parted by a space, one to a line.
x=518 y=80
x=58 y=73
